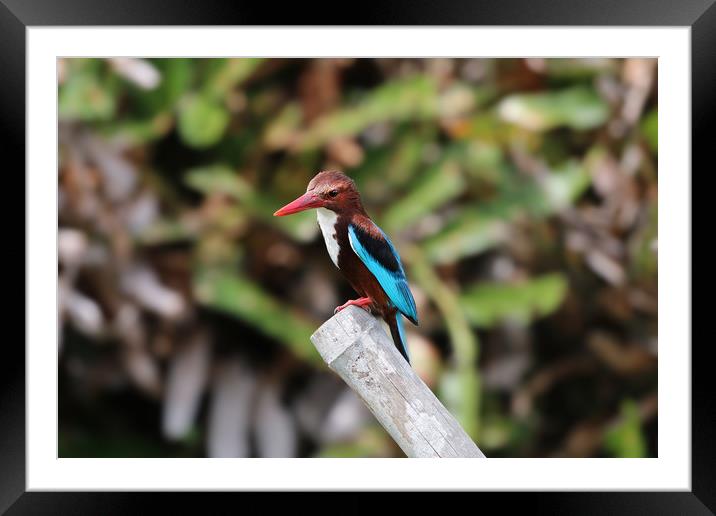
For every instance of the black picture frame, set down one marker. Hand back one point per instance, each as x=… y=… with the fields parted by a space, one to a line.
x=17 y=15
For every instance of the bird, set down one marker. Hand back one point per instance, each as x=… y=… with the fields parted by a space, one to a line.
x=361 y=250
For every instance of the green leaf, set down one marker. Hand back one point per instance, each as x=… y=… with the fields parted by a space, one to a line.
x=642 y=245
x=232 y=293
x=478 y=228
x=564 y=186
x=176 y=77
x=650 y=129
x=229 y=73
x=282 y=128
x=85 y=96
x=202 y=121
x=139 y=132
x=578 y=108
x=414 y=98
x=574 y=69
x=165 y=231
x=177 y=74
x=440 y=184
x=388 y=167
x=372 y=441
x=485 y=161
x=222 y=179
x=469 y=235
x=496 y=432
x=490 y=303
x=626 y=439
x=460 y=389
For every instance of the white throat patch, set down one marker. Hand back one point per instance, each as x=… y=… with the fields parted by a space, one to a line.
x=327 y=222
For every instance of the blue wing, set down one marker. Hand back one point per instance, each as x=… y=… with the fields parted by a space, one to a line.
x=382 y=260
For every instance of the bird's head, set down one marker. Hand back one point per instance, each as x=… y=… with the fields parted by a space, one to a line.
x=332 y=190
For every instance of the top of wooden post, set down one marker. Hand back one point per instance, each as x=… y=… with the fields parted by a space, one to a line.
x=356 y=347
x=342 y=330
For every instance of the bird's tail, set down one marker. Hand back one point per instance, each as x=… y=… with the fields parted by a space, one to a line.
x=396 y=331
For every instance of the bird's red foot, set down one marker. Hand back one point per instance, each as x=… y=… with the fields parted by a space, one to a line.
x=362 y=302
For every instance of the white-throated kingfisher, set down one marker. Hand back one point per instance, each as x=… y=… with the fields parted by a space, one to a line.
x=360 y=249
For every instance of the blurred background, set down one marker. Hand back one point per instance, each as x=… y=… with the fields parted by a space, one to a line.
x=521 y=194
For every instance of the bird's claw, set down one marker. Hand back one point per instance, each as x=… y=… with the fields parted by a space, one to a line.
x=341 y=308
x=363 y=302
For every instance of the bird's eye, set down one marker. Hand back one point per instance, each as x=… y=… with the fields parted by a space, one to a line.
x=333 y=193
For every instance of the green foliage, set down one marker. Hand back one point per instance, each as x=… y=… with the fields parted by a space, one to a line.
x=177 y=77
x=226 y=74
x=414 y=98
x=202 y=121
x=578 y=108
x=230 y=292
x=466 y=235
x=626 y=438
x=650 y=129
x=439 y=184
x=487 y=304
x=642 y=248
x=221 y=179
x=477 y=229
x=371 y=442
x=88 y=95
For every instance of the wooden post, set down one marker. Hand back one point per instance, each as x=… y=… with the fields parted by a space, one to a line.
x=355 y=346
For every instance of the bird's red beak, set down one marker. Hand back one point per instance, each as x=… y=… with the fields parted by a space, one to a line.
x=305 y=202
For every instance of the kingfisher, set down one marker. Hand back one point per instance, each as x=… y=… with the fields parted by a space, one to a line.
x=361 y=250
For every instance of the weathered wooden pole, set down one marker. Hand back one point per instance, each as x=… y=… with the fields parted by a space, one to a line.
x=355 y=346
